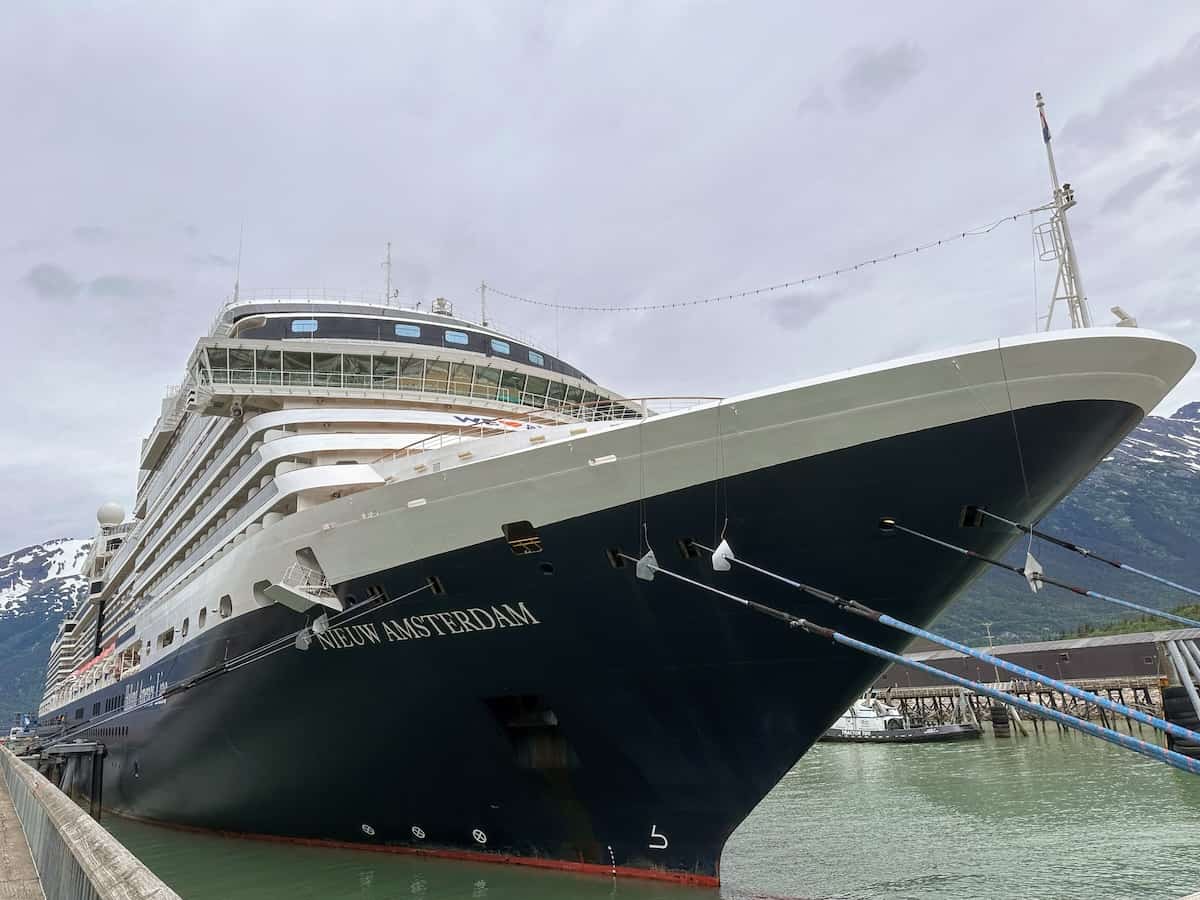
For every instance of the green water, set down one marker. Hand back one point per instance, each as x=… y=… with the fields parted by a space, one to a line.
x=1052 y=816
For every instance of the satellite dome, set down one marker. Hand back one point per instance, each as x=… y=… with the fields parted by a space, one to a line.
x=110 y=514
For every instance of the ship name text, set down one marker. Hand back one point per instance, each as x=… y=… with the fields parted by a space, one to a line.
x=438 y=624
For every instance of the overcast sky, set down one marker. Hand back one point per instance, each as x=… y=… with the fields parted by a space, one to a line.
x=639 y=153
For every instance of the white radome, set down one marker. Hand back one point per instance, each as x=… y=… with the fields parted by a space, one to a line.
x=110 y=514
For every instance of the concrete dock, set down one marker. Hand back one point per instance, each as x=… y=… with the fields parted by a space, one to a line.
x=18 y=876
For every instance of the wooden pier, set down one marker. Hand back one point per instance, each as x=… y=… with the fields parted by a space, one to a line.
x=945 y=703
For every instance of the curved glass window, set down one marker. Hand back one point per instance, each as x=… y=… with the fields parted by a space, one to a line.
x=536 y=358
x=408 y=330
x=437 y=374
x=460 y=379
x=535 y=391
x=304 y=326
x=501 y=347
x=511 y=386
x=486 y=383
x=457 y=337
x=412 y=371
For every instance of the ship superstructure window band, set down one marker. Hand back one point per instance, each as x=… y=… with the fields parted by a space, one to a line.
x=367 y=328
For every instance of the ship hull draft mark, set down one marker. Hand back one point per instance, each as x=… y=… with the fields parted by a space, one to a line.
x=550 y=708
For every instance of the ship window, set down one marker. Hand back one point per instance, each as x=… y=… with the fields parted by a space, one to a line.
x=166 y=638
x=241 y=364
x=486 y=383
x=79 y=713
x=522 y=538
x=557 y=390
x=1148 y=660
x=327 y=369
x=437 y=374
x=460 y=379
x=511 y=386
x=457 y=337
x=226 y=606
x=356 y=370
x=202 y=618
x=535 y=390
x=96 y=708
x=297 y=368
x=218 y=357
x=501 y=347
x=411 y=372
x=408 y=331
x=383 y=371
x=536 y=358
x=268 y=362
x=184 y=630
x=574 y=395
x=304 y=326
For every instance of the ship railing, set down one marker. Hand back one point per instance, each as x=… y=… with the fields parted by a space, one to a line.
x=530 y=422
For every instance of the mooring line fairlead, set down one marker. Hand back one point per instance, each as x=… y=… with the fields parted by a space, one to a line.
x=1032 y=573
x=1177 y=760
x=724 y=555
x=975 y=513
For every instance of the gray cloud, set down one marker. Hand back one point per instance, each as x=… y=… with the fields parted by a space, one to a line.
x=874 y=74
x=798 y=310
x=1162 y=98
x=52 y=282
x=1124 y=197
x=1189 y=182
x=92 y=234
x=815 y=101
x=212 y=259
x=128 y=287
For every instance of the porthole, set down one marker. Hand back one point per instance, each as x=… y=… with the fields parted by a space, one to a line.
x=226 y=607
x=183 y=631
x=200 y=619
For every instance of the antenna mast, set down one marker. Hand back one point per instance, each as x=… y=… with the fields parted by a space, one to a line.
x=483 y=303
x=237 y=272
x=387 y=268
x=1055 y=242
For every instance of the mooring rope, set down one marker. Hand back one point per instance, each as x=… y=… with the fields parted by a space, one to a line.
x=1128 y=742
x=866 y=612
x=1082 y=551
x=1039 y=577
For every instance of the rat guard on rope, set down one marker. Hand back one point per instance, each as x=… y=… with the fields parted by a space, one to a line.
x=646 y=568
x=1032 y=572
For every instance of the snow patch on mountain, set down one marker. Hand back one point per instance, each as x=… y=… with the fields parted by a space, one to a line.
x=52 y=570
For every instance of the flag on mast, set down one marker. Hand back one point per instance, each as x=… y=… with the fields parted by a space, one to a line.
x=1045 y=126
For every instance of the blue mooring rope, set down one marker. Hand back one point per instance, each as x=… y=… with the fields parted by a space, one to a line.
x=1128 y=742
x=857 y=608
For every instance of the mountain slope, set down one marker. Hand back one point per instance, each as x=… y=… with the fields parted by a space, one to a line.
x=38 y=586
x=1140 y=506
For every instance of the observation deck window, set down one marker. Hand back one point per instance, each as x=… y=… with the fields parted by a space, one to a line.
x=327 y=369
x=218 y=357
x=487 y=381
x=304 y=326
x=240 y=362
x=437 y=374
x=557 y=391
x=535 y=390
x=460 y=379
x=297 y=368
x=412 y=371
x=383 y=371
x=512 y=385
x=536 y=358
x=356 y=370
x=267 y=367
x=413 y=331
x=574 y=395
x=501 y=347
x=457 y=337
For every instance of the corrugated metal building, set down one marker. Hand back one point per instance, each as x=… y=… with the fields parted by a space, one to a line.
x=1111 y=656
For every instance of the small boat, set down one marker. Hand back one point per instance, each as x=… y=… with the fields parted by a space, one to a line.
x=872 y=721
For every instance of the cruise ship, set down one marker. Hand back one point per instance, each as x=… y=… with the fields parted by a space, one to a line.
x=375 y=588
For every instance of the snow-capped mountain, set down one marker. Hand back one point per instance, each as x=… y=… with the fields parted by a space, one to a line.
x=38 y=586
x=1141 y=505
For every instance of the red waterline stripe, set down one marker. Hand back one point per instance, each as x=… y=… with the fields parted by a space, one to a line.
x=689 y=878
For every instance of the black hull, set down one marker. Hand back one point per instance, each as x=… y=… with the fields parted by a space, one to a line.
x=931 y=734
x=613 y=724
